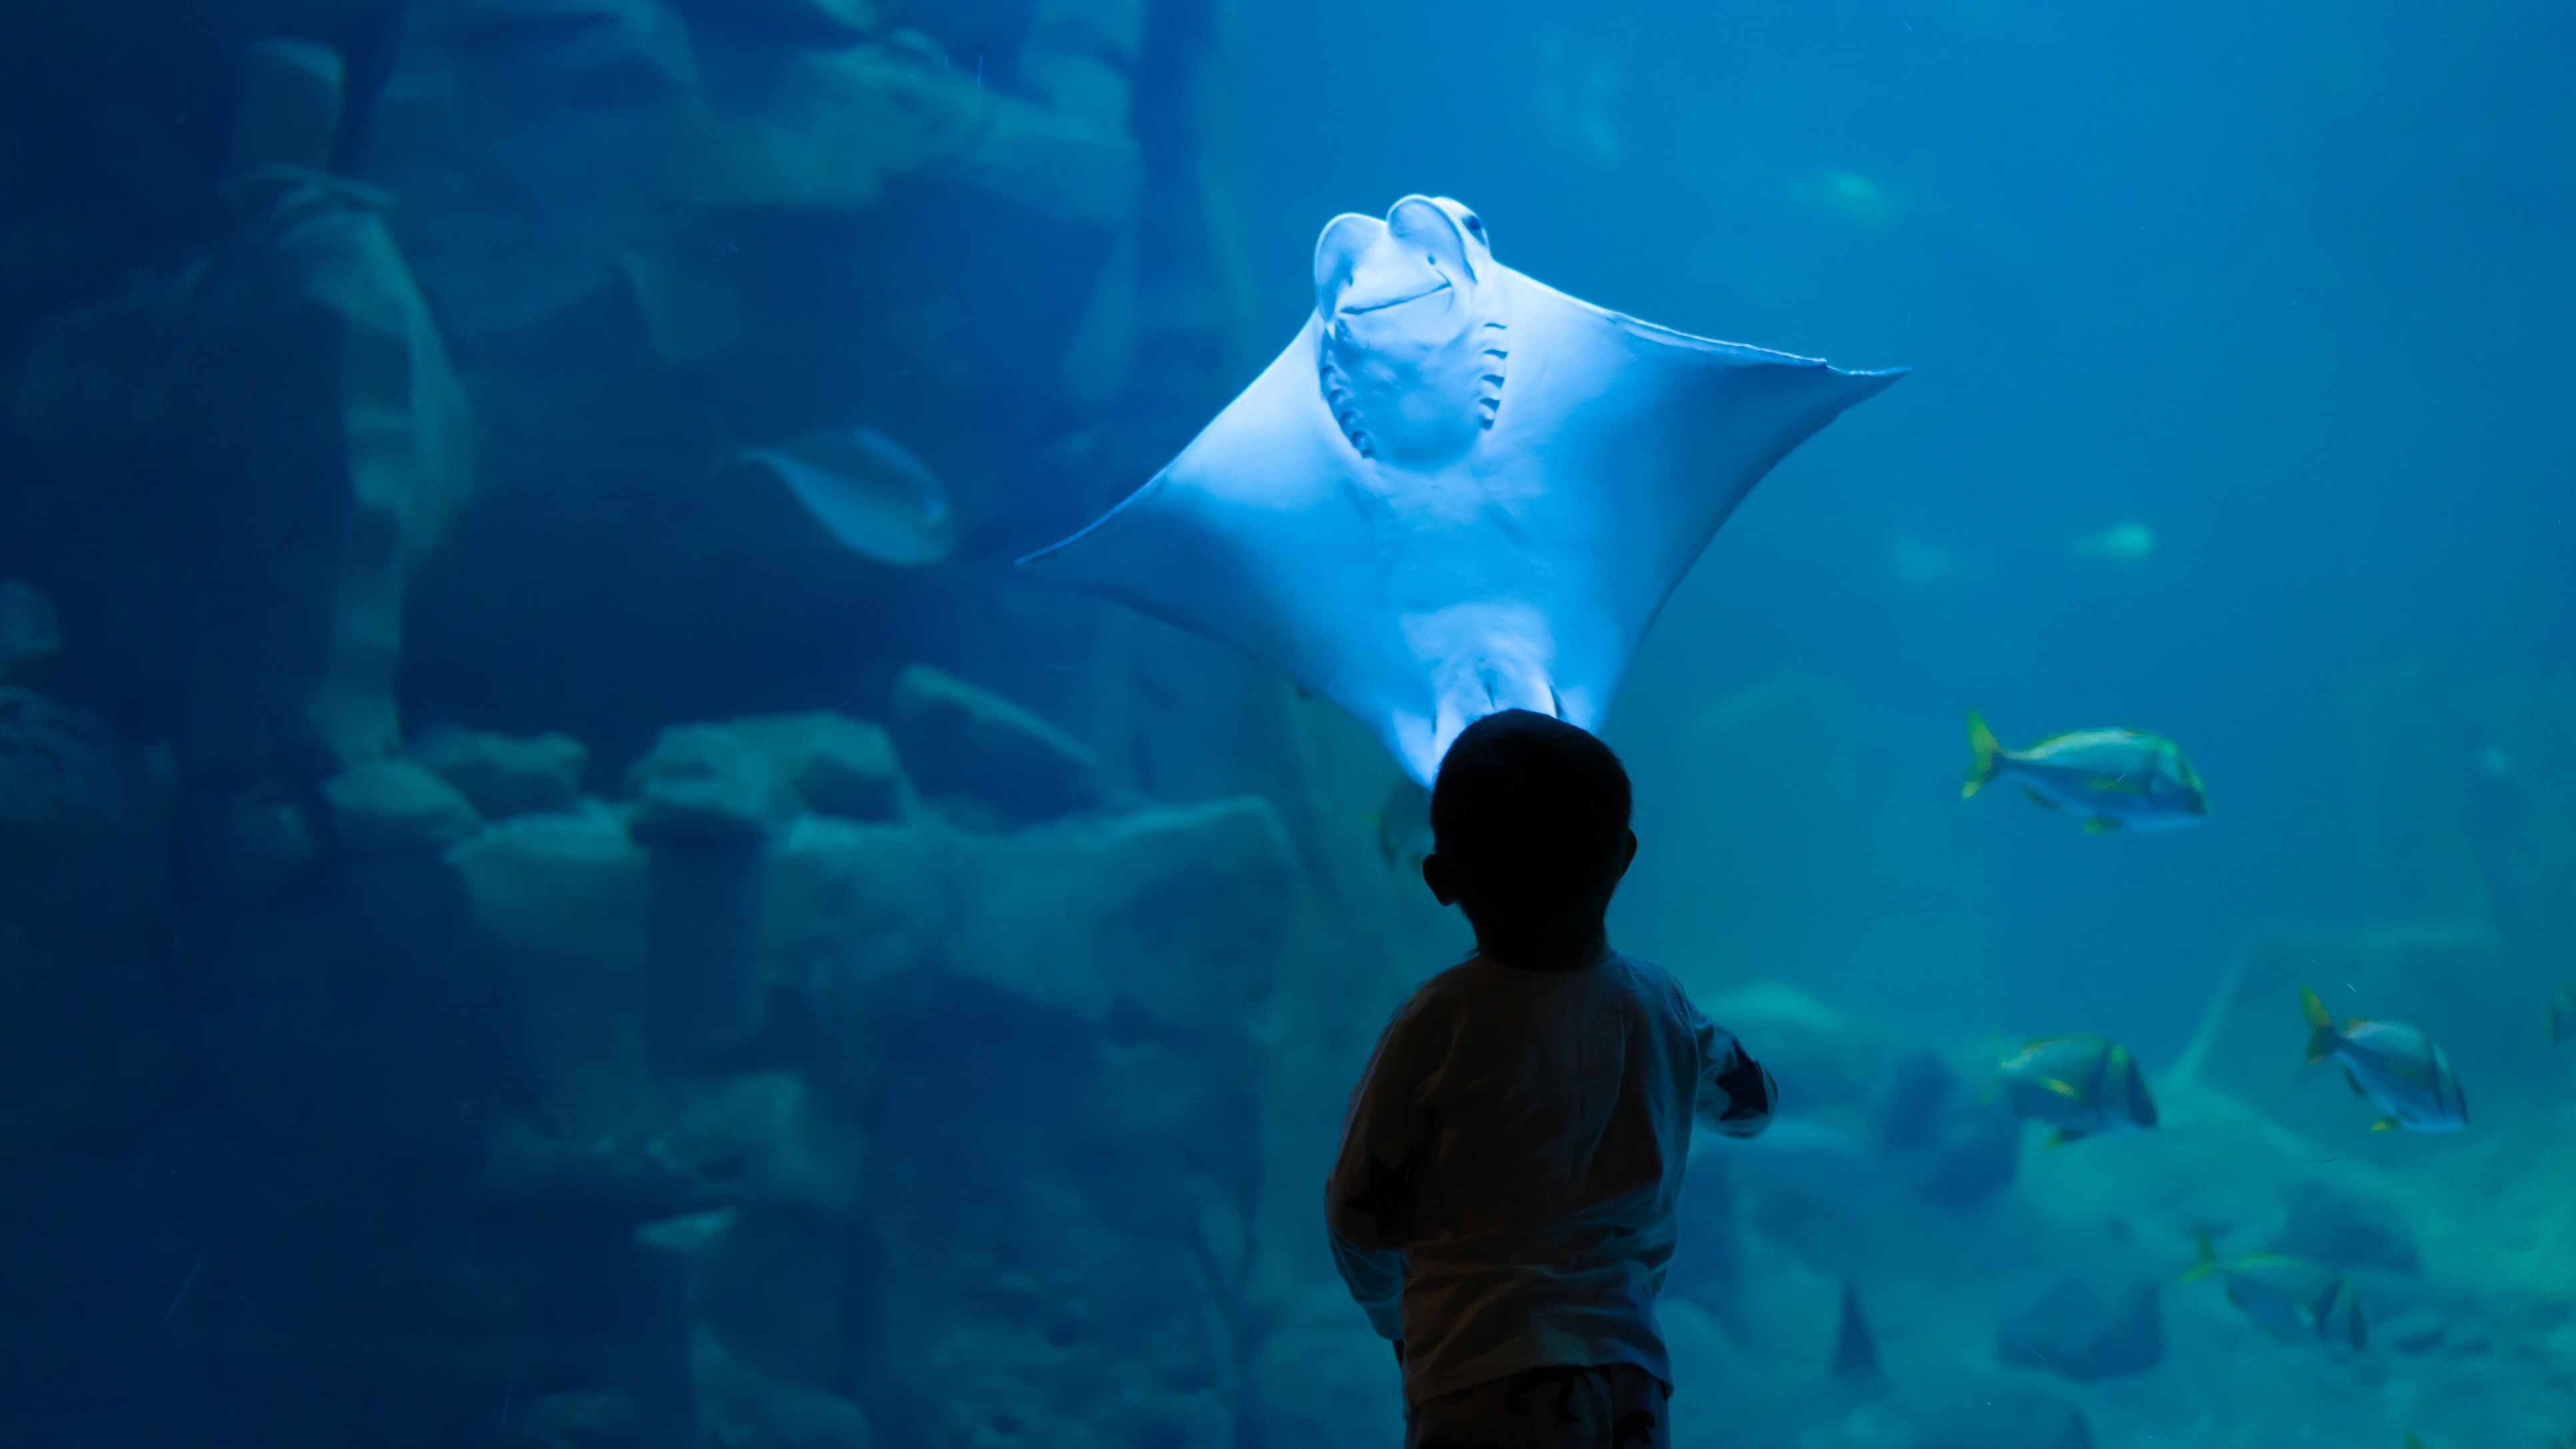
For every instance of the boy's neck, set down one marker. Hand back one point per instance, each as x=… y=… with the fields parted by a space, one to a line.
x=1572 y=952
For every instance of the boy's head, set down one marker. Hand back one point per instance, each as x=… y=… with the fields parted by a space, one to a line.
x=1529 y=829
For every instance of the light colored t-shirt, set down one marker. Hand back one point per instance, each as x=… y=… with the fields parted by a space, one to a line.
x=1504 y=1195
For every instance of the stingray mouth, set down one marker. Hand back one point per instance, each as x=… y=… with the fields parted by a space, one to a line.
x=1434 y=290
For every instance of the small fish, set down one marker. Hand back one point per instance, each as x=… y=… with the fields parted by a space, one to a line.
x=2395 y=1066
x=1404 y=826
x=868 y=490
x=2113 y=778
x=2081 y=1085
x=2120 y=543
x=30 y=631
x=2286 y=1297
x=2562 y=1012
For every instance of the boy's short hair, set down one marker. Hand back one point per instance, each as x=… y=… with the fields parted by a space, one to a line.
x=1533 y=812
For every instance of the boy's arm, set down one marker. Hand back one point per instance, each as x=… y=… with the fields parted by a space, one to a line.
x=1736 y=1093
x=1371 y=1187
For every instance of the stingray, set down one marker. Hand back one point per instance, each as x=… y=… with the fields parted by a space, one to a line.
x=1458 y=491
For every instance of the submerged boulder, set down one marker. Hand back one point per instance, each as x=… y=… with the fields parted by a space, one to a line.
x=1321 y=1376
x=1084 y=1002
x=2348 y=1228
x=83 y=821
x=969 y=743
x=2087 y=1328
x=385 y=807
x=836 y=765
x=707 y=785
x=507 y=775
x=2002 y=1416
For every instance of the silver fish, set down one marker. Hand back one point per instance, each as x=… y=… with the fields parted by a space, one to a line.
x=2286 y=1297
x=868 y=490
x=2113 y=778
x=2081 y=1085
x=2393 y=1065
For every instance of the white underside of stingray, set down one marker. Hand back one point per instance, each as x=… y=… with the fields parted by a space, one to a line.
x=1458 y=491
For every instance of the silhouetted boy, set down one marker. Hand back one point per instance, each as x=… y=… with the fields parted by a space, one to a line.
x=1503 y=1202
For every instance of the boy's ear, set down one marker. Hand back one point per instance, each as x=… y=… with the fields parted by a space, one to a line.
x=1628 y=857
x=1437 y=875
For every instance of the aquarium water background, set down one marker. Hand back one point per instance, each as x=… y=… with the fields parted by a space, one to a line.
x=512 y=933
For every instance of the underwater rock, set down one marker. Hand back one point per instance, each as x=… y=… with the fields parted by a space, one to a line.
x=580 y=1419
x=84 y=823
x=352 y=460
x=1822 y=1057
x=385 y=807
x=814 y=21
x=2087 y=1328
x=1954 y=1148
x=2344 y=1228
x=251 y=843
x=1091 y=1016
x=1079 y=53
x=739 y=1408
x=964 y=742
x=1171 y=918
x=836 y=765
x=1320 y=1376
x=706 y=785
x=2002 y=1416
x=561 y=899
x=1707 y=1262
x=1707 y=1402
x=834 y=129
x=89 y=1042
x=762 y=1141
x=507 y=775
x=31 y=629
x=592 y=98
x=289 y=113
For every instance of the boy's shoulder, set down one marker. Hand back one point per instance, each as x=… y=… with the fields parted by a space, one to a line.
x=1476 y=974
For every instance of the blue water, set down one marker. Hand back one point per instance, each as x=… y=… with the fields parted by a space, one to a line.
x=513 y=934
x=2276 y=285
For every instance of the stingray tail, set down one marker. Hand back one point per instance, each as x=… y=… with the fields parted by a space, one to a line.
x=2322 y=1035
x=1989 y=755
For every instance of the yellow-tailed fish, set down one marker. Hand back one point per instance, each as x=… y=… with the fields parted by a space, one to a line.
x=2286 y=1297
x=2394 y=1065
x=2081 y=1085
x=2114 y=779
